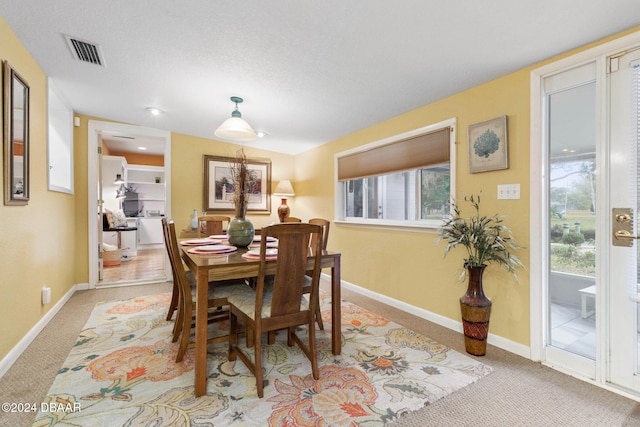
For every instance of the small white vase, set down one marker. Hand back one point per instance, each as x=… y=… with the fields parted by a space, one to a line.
x=194 y=220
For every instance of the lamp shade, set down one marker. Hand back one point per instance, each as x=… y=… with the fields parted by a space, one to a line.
x=236 y=129
x=118 y=179
x=284 y=188
x=121 y=192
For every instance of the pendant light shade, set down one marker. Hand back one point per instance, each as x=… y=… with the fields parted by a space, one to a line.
x=236 y=128
x=119 y=179
x=121 y=192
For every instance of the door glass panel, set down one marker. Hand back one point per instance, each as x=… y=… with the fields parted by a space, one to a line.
x=635 y=134
x=572 y=219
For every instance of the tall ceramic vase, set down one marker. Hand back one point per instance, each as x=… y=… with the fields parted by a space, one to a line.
x=240 y=232
x=476 y=309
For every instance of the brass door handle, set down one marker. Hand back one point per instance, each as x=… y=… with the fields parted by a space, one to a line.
x=624 y=234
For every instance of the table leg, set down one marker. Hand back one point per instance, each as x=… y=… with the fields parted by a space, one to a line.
x=202 y=291
x=336 y=315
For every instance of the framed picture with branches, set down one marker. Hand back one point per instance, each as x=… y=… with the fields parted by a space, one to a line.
x=219 y=187
x=488 y=148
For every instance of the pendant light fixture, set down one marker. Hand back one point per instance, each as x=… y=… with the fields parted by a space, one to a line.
x=121 y=192
x=236 y=128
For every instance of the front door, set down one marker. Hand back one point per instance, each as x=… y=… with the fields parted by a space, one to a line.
x=570 y=104
x=624 y=84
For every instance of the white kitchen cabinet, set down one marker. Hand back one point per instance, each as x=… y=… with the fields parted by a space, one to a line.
x=110 y=238
x=148 y=182
x=111 y=166
x=129 y=239
x=150 y=231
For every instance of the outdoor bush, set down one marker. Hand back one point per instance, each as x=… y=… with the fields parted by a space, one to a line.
x=564 y=251
x=556 y=232
x=572 y=259
x=573 y=238
x=589 y=234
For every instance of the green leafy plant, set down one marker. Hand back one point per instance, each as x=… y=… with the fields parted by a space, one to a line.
x=485 y=238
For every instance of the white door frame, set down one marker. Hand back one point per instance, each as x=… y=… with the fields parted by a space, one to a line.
x=95 y=129
x=538 y=200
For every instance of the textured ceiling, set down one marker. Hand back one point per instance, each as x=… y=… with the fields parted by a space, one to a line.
x=309 y=71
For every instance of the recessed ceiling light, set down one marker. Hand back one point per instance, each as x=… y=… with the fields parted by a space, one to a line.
x=142 y=148
x=261 y=134
x=154 y=111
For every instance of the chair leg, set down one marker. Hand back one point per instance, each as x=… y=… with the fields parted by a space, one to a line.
x=233 y=335
x=249 y=336
x=312 y=350
x=178 y=325
x=174 y=302
x=185 y=330
x=258 y=365
x=319 y=317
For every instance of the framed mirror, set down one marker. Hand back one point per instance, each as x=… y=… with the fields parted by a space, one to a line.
x=15 y=93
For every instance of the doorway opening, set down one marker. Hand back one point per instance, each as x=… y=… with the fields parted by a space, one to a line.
x=584 y=144
x=127 y=247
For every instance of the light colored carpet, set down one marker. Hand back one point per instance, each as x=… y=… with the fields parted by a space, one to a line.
x=518 y=392
x=121 y=371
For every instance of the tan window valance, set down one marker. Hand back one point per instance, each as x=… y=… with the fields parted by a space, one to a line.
x=417 y=152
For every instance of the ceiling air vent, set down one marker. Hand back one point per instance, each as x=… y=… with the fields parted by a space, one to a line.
x=85 y=51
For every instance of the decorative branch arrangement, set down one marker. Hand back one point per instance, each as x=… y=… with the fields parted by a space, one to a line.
x=244 y=180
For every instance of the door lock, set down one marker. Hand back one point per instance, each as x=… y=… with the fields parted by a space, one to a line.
x=623 y=227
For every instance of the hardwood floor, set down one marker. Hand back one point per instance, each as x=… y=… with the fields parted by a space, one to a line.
x=148 y=265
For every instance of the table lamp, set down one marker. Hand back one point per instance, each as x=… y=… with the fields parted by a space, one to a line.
x=284 y=190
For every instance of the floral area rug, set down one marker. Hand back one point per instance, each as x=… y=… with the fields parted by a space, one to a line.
x=122 y=372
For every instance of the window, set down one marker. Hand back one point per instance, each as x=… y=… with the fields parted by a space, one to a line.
x=405 y=180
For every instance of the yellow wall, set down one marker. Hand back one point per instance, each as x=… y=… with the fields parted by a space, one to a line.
x=187 y=181
x=36 y=241
x=187 y=175
x=46 y=242
x=410 y=266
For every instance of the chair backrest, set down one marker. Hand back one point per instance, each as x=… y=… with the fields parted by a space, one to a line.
x=179 y=273
x=292 y=219
x=324 y=223
x=208 y=225
x=291 y=267
x=167 y=245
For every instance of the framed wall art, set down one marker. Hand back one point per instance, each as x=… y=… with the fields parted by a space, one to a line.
x=218 y=185
x=488 y=147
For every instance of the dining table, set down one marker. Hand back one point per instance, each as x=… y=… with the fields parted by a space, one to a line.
x=228 y=266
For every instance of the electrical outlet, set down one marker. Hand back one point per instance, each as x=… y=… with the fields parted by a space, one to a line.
x=509 y=191
x=46 y=295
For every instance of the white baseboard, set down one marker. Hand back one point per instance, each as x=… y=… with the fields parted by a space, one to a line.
x=22 y=345
x=495 y=340
x=82 y=287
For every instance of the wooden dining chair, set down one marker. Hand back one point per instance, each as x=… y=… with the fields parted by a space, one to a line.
x=175 y=294
x=325 y=224
x=292 y=219
x=208 y=225
x=279 y=304
x=217 y=299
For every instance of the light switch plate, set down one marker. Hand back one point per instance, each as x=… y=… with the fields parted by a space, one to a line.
x=509 y=191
